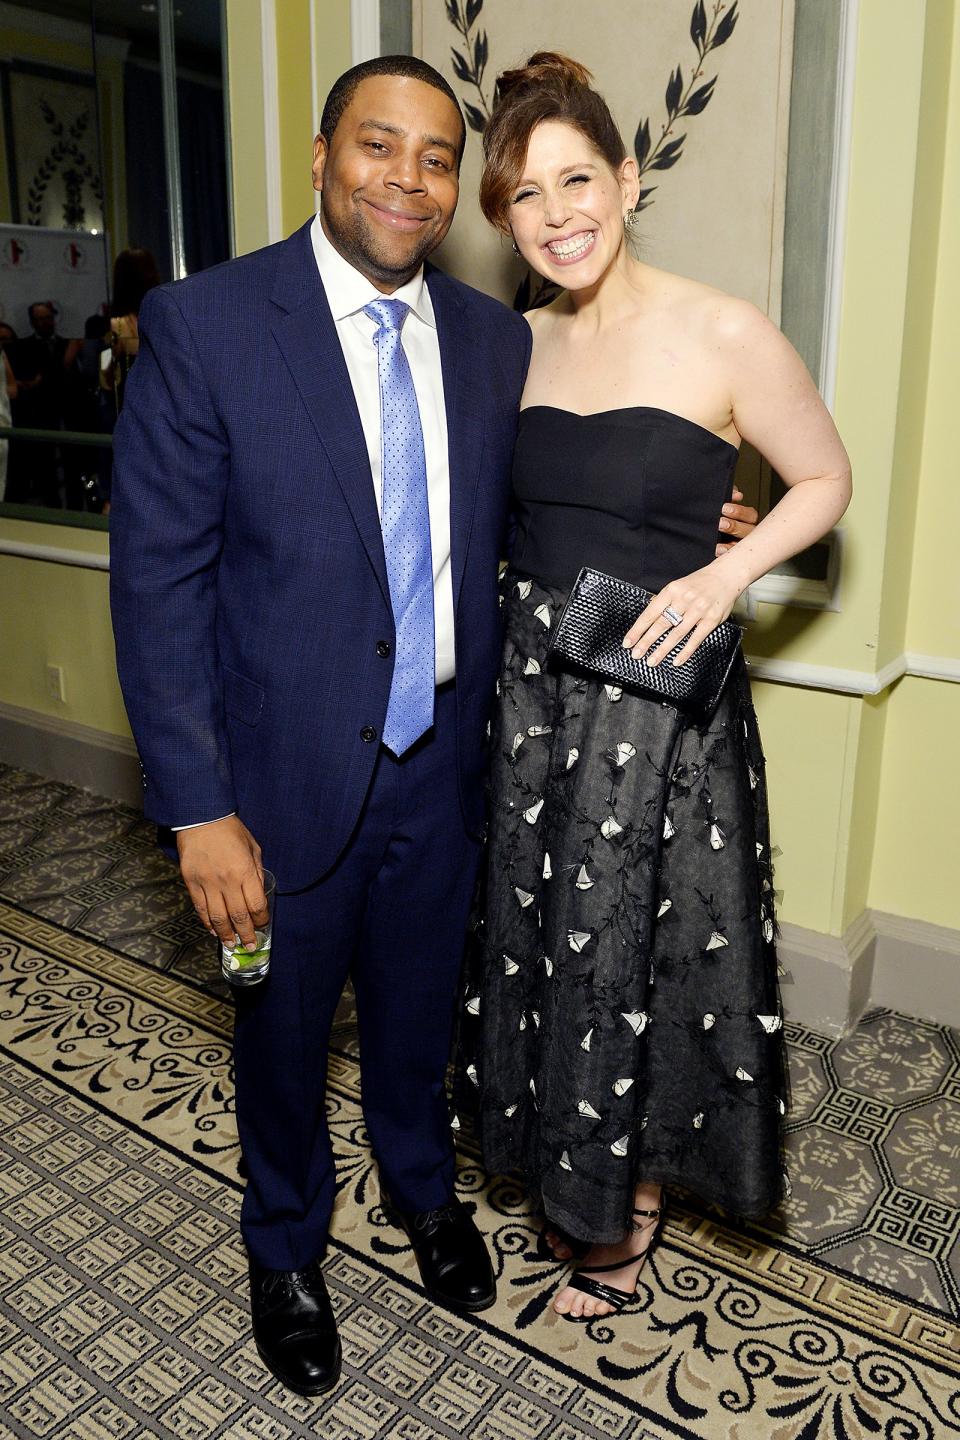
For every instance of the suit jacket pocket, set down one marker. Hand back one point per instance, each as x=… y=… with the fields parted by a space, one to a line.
x=242 y=698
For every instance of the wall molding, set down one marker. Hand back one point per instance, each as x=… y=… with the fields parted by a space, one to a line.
x=70 y=752
x=315 y=96
x=364 y=30
x=271 y=119
x=779 y=588
x=839 y=200
x=932 y=667
x=854 y=682
x=54 y=554
x=882 y=960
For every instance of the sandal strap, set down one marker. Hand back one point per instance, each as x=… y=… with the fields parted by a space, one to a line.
x=650 y=1213
x=609 y=1294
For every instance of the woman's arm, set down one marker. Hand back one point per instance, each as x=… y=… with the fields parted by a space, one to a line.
x=777 y=407
x=11 y=379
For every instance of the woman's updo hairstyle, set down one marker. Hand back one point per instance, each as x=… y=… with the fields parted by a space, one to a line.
x=548 y=87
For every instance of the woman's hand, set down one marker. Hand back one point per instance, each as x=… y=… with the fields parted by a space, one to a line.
x=702 y=599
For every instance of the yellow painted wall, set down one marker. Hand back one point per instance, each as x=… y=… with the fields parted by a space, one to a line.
x=808 y=737
x=302 y=87
x=918 y=825
x=301 y=100
x=896 y=403
x=924 y=300
x=58 y=615
x=933 y=615
x=247 y=140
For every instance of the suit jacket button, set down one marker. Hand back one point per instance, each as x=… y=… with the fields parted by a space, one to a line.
x=383 y=648
x=368 y=734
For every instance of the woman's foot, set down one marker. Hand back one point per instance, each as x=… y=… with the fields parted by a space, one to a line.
x=632 y=1251
x=558 y=1246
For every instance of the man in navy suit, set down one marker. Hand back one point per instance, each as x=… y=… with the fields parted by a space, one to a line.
x=257 y=647
x=301 y=425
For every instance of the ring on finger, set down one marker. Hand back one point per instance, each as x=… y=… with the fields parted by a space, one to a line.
x=674 y=616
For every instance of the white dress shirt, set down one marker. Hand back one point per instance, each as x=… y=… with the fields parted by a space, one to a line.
x=347 y=293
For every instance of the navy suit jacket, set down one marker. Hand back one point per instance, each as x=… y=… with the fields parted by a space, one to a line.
x=248 y=582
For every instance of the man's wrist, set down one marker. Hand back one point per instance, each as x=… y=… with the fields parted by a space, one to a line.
x=197 y=823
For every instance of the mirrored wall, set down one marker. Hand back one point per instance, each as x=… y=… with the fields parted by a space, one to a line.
x=113 y=178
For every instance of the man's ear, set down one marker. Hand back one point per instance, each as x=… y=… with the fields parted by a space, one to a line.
x=320 y=153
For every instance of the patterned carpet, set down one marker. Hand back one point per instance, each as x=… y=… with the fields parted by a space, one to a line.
x=122 y=1288
x=833 y=1319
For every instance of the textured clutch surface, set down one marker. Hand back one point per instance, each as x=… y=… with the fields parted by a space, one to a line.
x=589 y=637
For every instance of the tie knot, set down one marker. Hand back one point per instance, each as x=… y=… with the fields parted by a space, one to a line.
x=388 y=314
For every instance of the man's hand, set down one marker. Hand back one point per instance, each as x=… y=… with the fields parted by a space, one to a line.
x=736 y=521
x=222 y=869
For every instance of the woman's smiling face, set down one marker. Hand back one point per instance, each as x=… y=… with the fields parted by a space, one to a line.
x=567 y=208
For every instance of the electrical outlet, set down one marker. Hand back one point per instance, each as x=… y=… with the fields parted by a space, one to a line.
x=55 y=685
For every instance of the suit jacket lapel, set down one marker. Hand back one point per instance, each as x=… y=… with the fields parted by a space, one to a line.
x=307 y=337
x=464 y=417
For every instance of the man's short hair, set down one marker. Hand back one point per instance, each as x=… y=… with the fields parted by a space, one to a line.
x=407 y=66
x=41 y=304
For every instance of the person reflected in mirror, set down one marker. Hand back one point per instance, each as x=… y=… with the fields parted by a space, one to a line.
x=40 y=362
x=8 y=393
x=135 y=274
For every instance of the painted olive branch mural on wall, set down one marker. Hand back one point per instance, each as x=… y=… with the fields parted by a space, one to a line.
x=469 y=68
x=711 y=26
x=682 y=100
x=67 y=159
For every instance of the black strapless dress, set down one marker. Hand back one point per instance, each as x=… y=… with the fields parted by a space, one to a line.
x=621 y=1017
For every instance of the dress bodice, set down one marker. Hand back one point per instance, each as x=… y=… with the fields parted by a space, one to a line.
x=636 y=492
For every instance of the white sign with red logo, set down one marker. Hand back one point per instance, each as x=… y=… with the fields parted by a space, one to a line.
x=69 y=269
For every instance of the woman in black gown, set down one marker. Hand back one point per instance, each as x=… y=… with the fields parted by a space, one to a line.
x=623 y=1028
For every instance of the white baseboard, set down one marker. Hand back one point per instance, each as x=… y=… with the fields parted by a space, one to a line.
x=76 y=754
x=882 y=960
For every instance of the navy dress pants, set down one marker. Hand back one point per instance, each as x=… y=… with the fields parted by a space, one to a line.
x=392 y=913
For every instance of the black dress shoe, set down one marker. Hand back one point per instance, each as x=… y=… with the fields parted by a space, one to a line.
x=454 y=1265
x=294 y=1327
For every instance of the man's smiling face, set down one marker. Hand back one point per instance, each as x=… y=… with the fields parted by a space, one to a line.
x=389 y=179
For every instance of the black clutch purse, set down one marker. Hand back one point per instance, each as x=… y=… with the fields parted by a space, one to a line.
x=589 y=638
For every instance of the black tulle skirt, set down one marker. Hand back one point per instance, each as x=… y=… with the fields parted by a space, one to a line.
x=621 y=1017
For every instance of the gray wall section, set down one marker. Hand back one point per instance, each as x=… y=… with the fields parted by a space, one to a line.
x=395 y=28
x=813 y=114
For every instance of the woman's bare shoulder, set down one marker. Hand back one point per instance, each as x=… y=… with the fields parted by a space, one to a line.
x=729 y=320
x=726 y=317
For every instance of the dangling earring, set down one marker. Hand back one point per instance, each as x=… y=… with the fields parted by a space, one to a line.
x=516 y=248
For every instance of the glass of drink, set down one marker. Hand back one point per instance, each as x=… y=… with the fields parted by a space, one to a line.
x=240 y=966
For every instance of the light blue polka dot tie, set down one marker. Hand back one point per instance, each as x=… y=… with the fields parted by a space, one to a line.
x=405 y=518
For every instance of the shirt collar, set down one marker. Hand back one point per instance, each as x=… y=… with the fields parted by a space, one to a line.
x=348 y=291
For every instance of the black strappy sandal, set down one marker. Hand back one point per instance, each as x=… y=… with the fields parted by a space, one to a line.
x=609 y=1294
